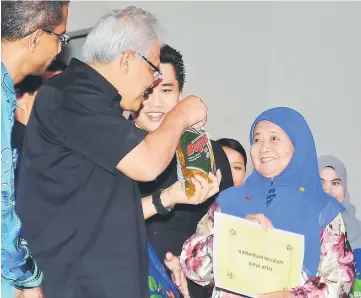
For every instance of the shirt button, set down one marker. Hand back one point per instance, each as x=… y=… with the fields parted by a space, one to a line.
x=155 y=233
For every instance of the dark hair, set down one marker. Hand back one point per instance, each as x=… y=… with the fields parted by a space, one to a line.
x=172 y=56
x=21 y=17
x=57 y=65
x=29 y=85
x=235 y=145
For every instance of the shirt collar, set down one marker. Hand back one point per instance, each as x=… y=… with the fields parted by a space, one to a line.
x=6 y=79
x=96 y=77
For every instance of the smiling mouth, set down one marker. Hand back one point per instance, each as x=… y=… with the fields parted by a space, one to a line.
x=267 y=159
x=155 y=116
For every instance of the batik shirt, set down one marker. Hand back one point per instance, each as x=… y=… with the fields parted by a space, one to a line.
x=18 y=269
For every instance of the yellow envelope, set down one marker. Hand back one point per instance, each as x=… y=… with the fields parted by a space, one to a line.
x=250 y=261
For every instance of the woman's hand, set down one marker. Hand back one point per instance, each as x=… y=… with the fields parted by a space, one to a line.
x=280 y=294
x=260 y=219
x=175 y=194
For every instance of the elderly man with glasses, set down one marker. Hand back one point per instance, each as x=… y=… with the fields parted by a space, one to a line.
x=31 y=37
x=78 y=198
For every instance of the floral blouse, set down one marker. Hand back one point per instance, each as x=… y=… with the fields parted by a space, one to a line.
x=335 y=275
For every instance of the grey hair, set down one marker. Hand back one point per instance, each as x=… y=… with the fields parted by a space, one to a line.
x=131 y=28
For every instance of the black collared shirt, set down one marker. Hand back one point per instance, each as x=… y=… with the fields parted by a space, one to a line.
x=83 y=219
x=169 y=232
x=17 y=139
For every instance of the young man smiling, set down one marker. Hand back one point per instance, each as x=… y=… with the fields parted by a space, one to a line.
x=168 y=232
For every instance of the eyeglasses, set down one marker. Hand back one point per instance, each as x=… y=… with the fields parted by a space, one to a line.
x=156 y=71
x=64 y=39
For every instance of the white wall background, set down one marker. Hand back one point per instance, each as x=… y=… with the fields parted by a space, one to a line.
x=244 y=57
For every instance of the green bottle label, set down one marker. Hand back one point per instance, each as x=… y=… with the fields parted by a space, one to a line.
x=197 y=151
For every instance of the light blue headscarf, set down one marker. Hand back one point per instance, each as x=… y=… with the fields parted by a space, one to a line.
x=353 y=226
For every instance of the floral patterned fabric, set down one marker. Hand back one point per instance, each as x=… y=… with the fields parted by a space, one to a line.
x=336 y=271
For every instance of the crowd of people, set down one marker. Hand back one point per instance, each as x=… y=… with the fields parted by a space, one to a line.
x=91 y=202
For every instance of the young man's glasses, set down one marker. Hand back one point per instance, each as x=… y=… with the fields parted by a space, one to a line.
x=64 y=39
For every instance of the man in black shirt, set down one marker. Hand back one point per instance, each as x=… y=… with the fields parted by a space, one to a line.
x=167 y=233
x=78 y=199
x=26 y=91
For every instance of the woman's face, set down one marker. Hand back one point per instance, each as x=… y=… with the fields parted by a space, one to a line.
x=332 y=183
x=238 y=168
x=271 y=149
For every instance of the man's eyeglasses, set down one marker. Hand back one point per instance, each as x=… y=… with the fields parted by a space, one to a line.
x=156 y=71
x=64 y=39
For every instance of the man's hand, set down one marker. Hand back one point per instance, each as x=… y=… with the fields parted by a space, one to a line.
x=193 y=111
x=175 y=194
x=173 y=264
x=19 y=293
x=30 y=293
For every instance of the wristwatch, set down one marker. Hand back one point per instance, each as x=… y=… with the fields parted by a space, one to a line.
x=161 y=210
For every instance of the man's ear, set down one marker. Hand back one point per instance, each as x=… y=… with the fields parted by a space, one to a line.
x=125 y=59
x=34 y=39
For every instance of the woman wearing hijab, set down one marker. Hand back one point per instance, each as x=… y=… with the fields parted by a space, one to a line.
x=284 y=191
x=334 y=180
